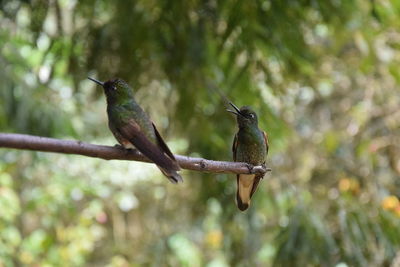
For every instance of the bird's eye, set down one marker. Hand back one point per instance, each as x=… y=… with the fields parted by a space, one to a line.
x=252 y=115
x=114 y=87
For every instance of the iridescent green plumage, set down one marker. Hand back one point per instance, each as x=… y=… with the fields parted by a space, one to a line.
x=132 y=127
x=251 y=146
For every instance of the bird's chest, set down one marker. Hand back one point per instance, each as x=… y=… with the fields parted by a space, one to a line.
x=251 y=148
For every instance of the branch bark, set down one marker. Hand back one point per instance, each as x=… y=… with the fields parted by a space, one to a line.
x=45 y=144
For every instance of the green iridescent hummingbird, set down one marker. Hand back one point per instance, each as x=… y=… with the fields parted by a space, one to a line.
x=250 y=145
x=132 y=127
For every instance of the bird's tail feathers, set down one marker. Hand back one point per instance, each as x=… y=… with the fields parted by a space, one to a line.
x=242 y=206
x=244 y=191
x=173 y=176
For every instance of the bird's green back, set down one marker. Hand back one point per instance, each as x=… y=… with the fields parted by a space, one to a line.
x=124 y=110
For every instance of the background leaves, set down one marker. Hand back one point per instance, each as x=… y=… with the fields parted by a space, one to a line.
x=321 y=74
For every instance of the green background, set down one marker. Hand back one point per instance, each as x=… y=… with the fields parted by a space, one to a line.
x=323 y=77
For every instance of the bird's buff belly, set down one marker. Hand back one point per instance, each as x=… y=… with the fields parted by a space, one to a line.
x=127 y=145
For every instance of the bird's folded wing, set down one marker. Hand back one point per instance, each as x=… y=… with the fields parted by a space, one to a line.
x=255 y=184
x=266 y=140
x=133 y=133
x=162 y=144
x=234 y=147
x=259 y=176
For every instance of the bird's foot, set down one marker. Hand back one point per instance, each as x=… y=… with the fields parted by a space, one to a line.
x=250 y=167
x=258 y=169
x=119 y=146
x=265 y=167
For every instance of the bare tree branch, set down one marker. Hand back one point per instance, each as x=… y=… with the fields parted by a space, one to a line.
x=45 y=144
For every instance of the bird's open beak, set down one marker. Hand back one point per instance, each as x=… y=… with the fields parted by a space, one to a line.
x=236 y=110
x=96 y=81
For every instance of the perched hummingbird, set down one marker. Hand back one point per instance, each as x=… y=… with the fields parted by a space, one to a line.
x=132 y=127
x=251 y=146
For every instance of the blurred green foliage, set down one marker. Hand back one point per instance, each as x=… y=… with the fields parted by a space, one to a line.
x=323 y=76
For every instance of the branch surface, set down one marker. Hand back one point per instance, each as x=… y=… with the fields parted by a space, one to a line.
x=45 y=144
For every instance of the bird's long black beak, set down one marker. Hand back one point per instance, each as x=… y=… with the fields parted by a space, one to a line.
x=96 y=81
x=236 y=110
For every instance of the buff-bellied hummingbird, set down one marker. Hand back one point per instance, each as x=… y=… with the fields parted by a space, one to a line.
x=132 y=127
x=250 y=145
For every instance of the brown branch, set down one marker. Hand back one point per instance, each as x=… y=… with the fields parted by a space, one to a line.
x=45 y=144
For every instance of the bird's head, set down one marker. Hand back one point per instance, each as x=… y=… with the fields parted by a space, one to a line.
x=115 y=89
x=245 y=115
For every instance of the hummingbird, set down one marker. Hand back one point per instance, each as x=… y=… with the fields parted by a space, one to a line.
x=250 y=145
x=132 y=127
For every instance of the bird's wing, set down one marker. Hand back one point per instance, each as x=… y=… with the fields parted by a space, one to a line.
x=132 y=131
x=259 y=176
x=266 y=141
x=234 y=147
x=162 y=144
x=257 y=179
